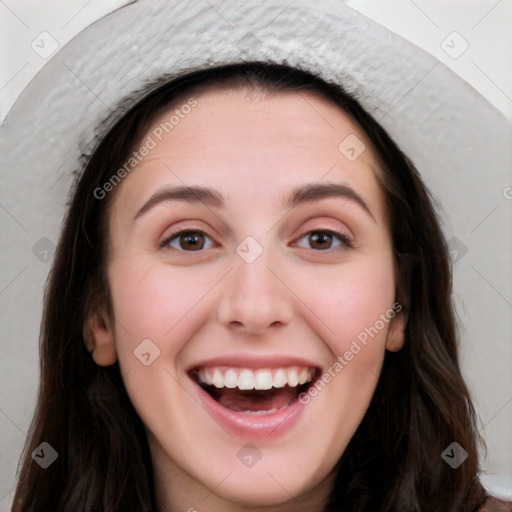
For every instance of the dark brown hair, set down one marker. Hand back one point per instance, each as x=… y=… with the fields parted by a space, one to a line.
x=421 y=404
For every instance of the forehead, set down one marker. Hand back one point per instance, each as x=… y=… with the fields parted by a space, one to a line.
x=290 y=116
x=251 y=146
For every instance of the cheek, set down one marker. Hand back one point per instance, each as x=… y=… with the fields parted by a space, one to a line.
x=151 y=301
x=353 y=307
x=352 y=300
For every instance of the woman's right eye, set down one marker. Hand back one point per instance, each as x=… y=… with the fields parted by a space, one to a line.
x=188 y=240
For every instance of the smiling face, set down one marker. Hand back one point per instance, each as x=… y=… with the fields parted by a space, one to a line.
x=283 y=281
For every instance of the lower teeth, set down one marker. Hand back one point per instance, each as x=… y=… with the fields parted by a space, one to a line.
x=256 y=413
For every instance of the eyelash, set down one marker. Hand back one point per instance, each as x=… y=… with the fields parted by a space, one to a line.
x=345 y=240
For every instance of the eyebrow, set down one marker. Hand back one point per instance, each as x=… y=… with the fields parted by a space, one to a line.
x=309 y=193
x=301 y=194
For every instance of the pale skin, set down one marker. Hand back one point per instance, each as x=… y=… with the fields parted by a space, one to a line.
x=293 y=299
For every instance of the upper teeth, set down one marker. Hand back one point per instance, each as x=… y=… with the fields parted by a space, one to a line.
x=245 y=378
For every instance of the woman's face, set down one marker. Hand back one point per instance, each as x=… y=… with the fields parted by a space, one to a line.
x=283 y=280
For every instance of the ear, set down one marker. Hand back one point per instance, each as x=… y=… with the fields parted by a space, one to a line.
x=395 y=337
x=99 y=338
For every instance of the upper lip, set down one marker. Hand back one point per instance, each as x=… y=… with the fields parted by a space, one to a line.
x=252 y=361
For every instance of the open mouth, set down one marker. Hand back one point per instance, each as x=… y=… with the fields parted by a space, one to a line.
x=254 y=391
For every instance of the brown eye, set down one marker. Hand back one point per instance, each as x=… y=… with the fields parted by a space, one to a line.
x=323 y=240
x=188 y=240
x=320 y=240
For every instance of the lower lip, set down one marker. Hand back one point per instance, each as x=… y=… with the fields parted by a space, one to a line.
x=252 y=426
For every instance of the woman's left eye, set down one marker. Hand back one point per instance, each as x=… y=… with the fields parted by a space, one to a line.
x=323 y=240
x=189 y=240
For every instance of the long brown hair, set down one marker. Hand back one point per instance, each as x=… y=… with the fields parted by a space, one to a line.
x=421 y=404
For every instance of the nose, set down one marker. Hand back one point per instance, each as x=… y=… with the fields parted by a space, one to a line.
x=255 y=296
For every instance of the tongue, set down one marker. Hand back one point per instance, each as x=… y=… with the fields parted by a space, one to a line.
x=254 y=401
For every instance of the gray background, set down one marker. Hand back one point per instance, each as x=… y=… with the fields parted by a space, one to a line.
x=460 y=140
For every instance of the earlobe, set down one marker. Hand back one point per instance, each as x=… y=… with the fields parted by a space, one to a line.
x=99 y=339
x=395 y=338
